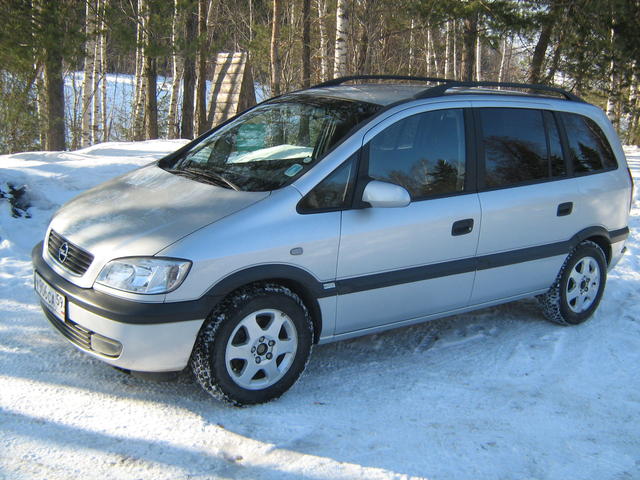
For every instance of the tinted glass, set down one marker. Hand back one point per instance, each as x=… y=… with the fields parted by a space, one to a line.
x=515 y=146
x=272 y=144
x=588 y=147
x=556 y=158
x=424 y=153
x=331 y=193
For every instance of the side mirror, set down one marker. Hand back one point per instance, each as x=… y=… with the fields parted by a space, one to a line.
x=385 y=195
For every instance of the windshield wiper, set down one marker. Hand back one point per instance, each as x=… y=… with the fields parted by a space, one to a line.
x=212 y=177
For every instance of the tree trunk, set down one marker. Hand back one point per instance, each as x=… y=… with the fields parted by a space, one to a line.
x=478 y=59
x=504 y=65
x=172 y=117
x=89 y=67
x=633 y=118
x=54 y=85
x=151 y=102
x=149 y=73
x=324 y=45
x=411 y=46
x=140 y=87
x=539 y=53
x=189 y=73
x=201 y=72
x=41 y=105
x=97 y=73
x=103 y=70
x=342 y=25
x=306 y=43
x=447 y=50
x=469 y=36
x=455 y=50
x=432 y=49
x=428 y=49
x=276 y=74
x=612 y=98
x=362 y=62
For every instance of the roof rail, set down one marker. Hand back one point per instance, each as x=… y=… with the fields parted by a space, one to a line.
x=440 y=90
x=341 y=80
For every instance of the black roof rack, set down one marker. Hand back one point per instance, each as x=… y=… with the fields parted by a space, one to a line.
x=341 y=80
x=447 y=84
x=440 y=90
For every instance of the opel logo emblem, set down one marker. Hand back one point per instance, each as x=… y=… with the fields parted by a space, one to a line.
x=63 y=252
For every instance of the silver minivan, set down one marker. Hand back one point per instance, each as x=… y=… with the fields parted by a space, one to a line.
x=333 y=212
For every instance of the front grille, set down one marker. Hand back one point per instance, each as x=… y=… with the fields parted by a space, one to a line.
x=71 y=331
x=77 y=260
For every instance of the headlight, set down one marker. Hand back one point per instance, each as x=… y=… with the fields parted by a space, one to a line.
x=144 y=275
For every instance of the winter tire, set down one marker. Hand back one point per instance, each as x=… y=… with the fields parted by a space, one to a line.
x=254 y=346
x=577 y=290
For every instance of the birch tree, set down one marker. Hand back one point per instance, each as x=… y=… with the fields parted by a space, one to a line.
x=340 y=54
x=139 y=79
x=103 y=69
x=201 y=70
x=88 y=91
x=321 y=6
x=176 y=67
x=306 y=43
x=276 y=74
x=189 y=70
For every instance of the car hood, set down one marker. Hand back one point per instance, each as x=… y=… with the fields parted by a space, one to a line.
x=144 y=211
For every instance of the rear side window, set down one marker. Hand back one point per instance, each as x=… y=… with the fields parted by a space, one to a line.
x=589 y=149
x=520 y=145
x=424 y=153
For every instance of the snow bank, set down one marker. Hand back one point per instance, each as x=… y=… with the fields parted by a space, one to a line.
x=498 y=393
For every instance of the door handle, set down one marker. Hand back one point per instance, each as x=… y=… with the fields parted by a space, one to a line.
x=565 y=209
x=462 y=227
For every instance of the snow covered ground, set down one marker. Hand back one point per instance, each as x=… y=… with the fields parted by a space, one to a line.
x=495 y=394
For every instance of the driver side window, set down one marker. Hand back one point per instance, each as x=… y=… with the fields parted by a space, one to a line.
x=424 y=153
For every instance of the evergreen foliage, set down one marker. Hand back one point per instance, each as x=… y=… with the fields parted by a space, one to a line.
x=587 y=46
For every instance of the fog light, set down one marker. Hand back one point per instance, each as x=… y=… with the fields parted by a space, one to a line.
x=105 y=346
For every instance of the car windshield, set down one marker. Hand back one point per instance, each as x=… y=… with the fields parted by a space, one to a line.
x=273 y=144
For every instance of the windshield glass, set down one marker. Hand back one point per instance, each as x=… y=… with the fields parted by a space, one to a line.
x=273 y=144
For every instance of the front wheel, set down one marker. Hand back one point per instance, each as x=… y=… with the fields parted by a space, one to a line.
x=254 y=346
x=577 y=291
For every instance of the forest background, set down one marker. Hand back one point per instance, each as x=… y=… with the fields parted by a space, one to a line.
x=60 y=60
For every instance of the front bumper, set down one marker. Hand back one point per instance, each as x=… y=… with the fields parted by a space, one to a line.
x=154 y=337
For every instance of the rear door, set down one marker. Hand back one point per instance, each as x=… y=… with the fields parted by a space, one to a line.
x=528 y=202
x=397 y=264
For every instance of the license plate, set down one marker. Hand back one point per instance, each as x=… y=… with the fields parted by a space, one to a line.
x=54 y=300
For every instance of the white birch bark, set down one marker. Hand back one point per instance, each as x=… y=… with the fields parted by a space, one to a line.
x=103 y=69
x=503 y=60
x=324 y=45
x=432 y=49
x=342 y=25
x=478 y=59
x=140 y=83
x=447 y=50
x=632 y=119
x=95 y=114
x=176 y=71
x=455 y=51
x=612 y=98
x=411 y=46
x=89 y=64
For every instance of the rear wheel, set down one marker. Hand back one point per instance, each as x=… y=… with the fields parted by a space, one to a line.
x=254 y=346
x=577 y=291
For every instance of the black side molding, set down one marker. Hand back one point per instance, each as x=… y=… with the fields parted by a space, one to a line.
x=619 y=235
